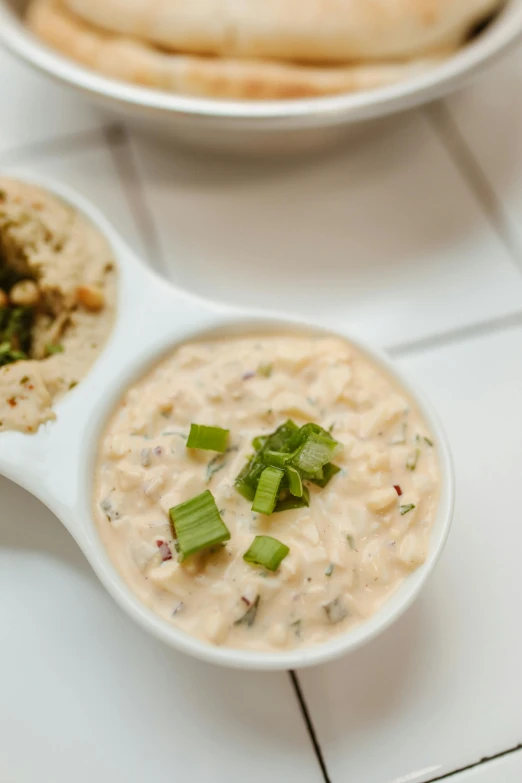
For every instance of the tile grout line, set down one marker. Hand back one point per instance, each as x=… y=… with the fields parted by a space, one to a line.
x=441 y=120
x=118 y=141
x=309 y=726
x=503 y=323
x=485 y=760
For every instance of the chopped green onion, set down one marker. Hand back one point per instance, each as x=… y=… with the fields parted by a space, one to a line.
x=265 y=370
x=428 y=441
x=329 y=569
x=351 y=540
x=209 y=438
x=267 y=552
x=259 y=442
x=329 y=471
x=250 y=615
x=315 y=452
x=289 y=502
x=52 y=348
x=411 y=462
x=294 y=481
x=267 y=490
x=404 y=509
x=197 y=525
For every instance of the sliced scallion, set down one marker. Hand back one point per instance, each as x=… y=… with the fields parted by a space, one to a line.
x=267 y=490
x=197 y=525
x=404 y=509
x=289 y=502
x=315 y=452
x=208 y=438
x=294 y=481
x=411 y=462
x=329 y=471
x=267 y=552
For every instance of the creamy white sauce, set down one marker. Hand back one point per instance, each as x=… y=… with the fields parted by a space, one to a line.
x=348 y=551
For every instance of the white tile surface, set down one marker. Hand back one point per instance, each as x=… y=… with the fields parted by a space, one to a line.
x=489 y=116
x=385 y=237
x=87 y=696
x=504 y=770
x=35 y=109
x=442 y=689
x=92 y=172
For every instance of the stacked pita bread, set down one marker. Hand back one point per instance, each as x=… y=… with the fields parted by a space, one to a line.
x=258 y=49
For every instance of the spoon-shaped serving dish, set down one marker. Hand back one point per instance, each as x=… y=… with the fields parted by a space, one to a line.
x=57 y=463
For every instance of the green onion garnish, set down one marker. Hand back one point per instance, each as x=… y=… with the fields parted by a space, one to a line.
x=411 y=462
x=289 y=502
x=209 y=438
x=265 y=370
x=329 y=471
x=197 y=525
x=294 y=481
x=404 y=509
x=267 y=490
x=267 y=552
x=315 y=452
x=52 y=348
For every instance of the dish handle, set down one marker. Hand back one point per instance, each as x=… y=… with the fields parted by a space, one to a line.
x=50 y=463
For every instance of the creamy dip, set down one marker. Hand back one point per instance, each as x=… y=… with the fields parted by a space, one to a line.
x=349 y=550
x=49 y=247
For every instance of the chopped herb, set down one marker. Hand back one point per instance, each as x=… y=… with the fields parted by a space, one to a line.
x=216 y=464
x=197 y=525
x=249 y=617
x=267 y=490
x=351 y=540
x=329 y=471
x=404 y=509
x=267 y=552
x=294 y=481
x=208 y=438
x=24 y=379
x=411 y=462
x=73 y=384
x=265 y=370
x=329 y=569
x=336 y=611
x=428 y=441
x=288 y=502
x=52 y=348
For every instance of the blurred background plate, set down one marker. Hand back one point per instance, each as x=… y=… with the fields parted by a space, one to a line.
x=260 y=126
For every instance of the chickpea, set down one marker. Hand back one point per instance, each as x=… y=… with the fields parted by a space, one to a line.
x=24 y=294
x=91 y=298
x=4 y=299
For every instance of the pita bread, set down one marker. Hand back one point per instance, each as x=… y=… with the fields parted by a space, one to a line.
x=321 y=31
x=130 y=60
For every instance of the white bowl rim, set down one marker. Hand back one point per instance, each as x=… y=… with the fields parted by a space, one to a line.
x=310 y=112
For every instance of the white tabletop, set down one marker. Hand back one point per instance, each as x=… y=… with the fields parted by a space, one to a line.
x=413 y=237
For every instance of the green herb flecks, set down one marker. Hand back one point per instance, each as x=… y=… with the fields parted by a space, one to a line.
x=411 y=462
x=249 y=617
x=405 y=509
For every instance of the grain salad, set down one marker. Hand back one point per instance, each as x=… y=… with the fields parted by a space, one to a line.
x=266 y=492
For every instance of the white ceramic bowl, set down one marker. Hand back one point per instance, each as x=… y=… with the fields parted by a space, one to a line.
x=57 y=464
x=289 y=125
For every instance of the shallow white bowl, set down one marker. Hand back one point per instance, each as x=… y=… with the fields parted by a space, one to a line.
x=289 y=125
x=57 y=464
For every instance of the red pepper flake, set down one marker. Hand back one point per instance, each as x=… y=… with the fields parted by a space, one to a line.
x=12 y=402
x=245 y=599
x=397 y=489
x=164 y=549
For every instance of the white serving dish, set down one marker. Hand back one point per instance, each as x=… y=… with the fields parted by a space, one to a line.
x=260 y=126
x=57 y=464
